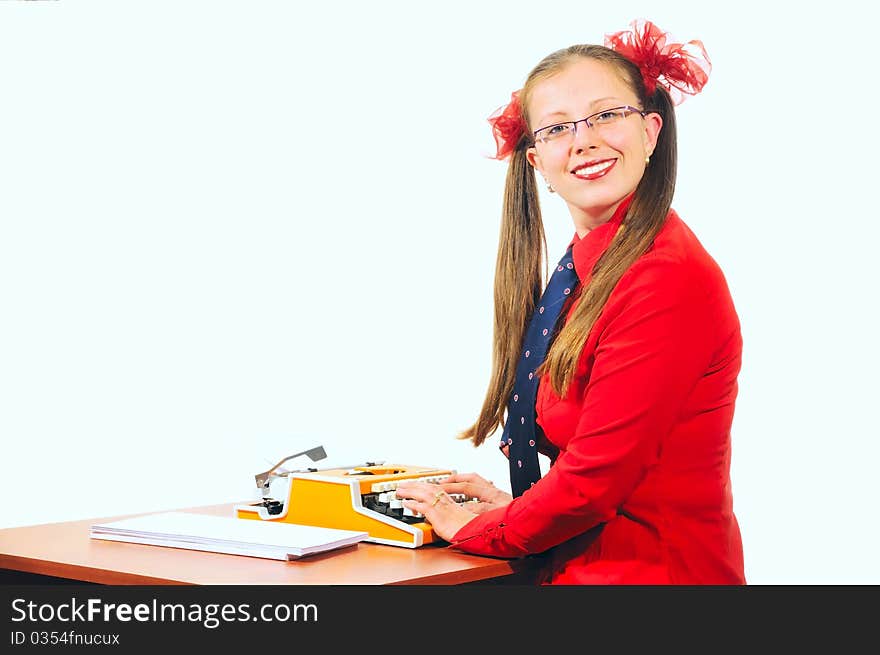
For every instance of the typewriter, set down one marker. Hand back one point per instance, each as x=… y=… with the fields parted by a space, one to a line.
x=359 y=497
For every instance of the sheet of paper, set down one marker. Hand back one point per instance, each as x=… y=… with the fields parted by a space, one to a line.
x=272 y=539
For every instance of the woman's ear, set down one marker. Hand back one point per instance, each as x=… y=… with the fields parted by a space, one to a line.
x=534 y=159
x=653 y=125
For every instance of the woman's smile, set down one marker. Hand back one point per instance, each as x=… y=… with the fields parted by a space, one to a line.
x=593 y=170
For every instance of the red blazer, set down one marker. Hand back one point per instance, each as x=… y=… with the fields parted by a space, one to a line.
x=640 y=490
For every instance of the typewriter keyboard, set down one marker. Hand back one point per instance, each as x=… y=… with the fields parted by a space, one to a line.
x=383 y=499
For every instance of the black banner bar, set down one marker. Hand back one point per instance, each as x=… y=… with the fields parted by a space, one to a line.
x=454 y=618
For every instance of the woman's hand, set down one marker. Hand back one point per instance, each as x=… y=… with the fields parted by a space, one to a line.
x=482 y=494
x=444 y=514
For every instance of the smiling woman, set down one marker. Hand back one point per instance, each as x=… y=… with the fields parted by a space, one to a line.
x=623 y=369
x=607 y=146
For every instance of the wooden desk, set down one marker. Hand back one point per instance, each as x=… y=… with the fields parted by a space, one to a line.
x=65 y=550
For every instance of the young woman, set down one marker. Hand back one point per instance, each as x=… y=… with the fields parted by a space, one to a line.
x=623 y=370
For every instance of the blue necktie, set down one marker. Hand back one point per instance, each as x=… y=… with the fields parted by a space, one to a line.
x=521 y=432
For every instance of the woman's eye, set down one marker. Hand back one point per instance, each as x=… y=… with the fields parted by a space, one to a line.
x=556 y=130
x=607 y=116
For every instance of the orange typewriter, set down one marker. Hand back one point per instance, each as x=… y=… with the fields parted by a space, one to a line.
x=359 y=497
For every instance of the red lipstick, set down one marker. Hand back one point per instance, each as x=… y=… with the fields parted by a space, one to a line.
x=593 y=170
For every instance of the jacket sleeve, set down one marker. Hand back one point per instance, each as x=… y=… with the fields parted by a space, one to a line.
x=659 y=330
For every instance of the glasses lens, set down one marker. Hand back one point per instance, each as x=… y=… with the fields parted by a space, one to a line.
x=555 y=132
x=609 y=116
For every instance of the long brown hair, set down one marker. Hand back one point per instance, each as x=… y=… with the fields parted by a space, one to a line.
x=522 y=247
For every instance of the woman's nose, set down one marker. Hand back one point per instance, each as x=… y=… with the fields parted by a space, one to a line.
x=585 y=137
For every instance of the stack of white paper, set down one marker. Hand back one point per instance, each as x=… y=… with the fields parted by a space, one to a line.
x=234 y=536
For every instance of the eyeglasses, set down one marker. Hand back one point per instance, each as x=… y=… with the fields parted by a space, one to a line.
x=563 y=132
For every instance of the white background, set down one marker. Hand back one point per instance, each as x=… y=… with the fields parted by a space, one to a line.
x=230 y=231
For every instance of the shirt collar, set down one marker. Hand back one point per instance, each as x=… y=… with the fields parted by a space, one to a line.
x=586 y=251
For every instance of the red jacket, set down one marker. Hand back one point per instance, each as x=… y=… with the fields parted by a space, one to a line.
x=640 y=490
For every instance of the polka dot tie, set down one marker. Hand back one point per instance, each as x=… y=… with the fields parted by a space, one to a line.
x=521 y=432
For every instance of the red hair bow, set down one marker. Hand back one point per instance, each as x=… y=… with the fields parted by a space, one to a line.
x=680 y=68
x=508 y=126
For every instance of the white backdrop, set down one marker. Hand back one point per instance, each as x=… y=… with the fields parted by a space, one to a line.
x=230 y=231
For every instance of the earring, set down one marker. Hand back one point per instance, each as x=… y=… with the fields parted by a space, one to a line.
x=549 y=187
x=648 y=159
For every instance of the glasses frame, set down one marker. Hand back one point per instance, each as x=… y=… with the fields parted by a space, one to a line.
x=629 y=109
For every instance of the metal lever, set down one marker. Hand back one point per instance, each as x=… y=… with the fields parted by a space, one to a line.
x=263 y=478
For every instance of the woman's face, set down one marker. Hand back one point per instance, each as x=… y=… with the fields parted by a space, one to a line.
x=594 y=169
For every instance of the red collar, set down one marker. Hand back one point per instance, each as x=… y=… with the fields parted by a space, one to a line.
x=587 y=250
